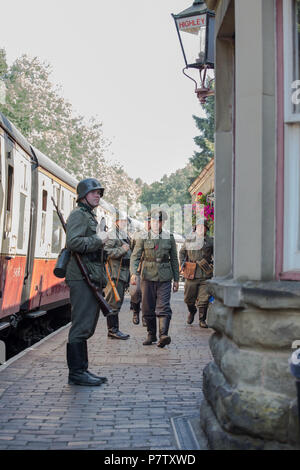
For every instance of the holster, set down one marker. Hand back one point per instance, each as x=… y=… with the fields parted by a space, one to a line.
x=189 y=270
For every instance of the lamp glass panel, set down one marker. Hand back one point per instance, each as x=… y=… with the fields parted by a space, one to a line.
x=193 y=35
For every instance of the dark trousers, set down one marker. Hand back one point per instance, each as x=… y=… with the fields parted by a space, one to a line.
x=156 y=299
x=84 y=311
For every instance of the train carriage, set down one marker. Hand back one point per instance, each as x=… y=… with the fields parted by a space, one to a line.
x=30 y=230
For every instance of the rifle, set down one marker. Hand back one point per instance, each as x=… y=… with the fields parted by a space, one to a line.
x=112 y=283
x=105 y=308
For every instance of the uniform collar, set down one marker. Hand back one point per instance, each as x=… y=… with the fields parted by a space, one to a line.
x=87 y=207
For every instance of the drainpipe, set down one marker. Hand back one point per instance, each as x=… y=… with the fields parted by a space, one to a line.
x=294 y=362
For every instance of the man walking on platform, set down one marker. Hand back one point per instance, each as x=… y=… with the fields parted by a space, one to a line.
x=195 y=258
x=117 y=249
x=159 y=266
x=82 y=238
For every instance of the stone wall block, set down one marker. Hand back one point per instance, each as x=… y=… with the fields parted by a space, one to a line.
x=276 y=374
x=219 y=439
x=248 y=410
x=265 y=328
x=219 y=317
x=238 y=366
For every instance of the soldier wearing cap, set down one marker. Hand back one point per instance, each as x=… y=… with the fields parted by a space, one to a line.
x=117 y=249
x=82 y=237
x=135 y=291
x=198 y=251
x=159 y=266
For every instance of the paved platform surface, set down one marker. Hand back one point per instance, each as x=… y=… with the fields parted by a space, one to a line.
x=148 y=389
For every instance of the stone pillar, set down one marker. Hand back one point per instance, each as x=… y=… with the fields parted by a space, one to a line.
x=250 y=395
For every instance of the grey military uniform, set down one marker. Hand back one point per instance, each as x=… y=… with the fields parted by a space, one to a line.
x=159 y=267
x=81 y=237
x=118 y=263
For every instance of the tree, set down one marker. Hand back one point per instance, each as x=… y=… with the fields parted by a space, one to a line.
x=205 y=140
x=39 y=111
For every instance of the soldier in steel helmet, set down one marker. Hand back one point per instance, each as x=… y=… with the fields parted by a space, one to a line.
x=117 y=249
x=135 y=291
x=159 y=266
x=197 y=250
x=82 y=237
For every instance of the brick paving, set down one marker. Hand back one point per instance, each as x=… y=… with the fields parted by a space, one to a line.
x=147 y=386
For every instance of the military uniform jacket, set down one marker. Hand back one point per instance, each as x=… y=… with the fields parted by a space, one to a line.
x=194 y=250
x=160 y=261
x=81 y=237
x=118 y=259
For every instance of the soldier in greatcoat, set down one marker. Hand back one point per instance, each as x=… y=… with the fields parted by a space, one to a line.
x=159 y=266
x=198 y=251
x=82 y=237
x=117 y=249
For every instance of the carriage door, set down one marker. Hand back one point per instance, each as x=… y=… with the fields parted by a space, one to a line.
x=16 y=213
x=41 y=266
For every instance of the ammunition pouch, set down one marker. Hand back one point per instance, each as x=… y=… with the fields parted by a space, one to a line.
x=206 y=267
x=125 y=263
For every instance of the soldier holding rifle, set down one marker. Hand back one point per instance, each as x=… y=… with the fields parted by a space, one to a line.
x=82 y=238
x=117 y=249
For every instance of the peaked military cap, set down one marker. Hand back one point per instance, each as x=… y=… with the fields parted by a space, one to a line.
x=87 y=185
x=158 y=214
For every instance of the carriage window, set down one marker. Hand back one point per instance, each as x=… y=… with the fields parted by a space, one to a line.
x=21 y=221
x=10 y=174
x=56 y=233
x=44 y=210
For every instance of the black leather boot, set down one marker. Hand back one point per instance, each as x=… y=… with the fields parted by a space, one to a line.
x=86 y=363
x=113 y=327
x=202 y=317
x=164 y=339
x=151 y=330
x=136 y=313
x=192 y=313
x=77 y=362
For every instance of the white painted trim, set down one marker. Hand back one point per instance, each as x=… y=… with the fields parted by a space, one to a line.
x=288 y=50
x=291 y=255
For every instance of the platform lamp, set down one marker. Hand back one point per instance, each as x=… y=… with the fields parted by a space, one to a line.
x=195 y=28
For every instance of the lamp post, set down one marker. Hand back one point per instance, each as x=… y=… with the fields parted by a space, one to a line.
x=195 y=29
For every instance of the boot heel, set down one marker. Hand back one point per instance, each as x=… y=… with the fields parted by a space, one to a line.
x=164 y=341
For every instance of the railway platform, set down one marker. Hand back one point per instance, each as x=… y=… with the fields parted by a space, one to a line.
x=151 y=400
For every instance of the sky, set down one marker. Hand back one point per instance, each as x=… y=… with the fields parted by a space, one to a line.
x=121 y=62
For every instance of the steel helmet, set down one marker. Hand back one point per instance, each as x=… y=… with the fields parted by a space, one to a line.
x=87 y=185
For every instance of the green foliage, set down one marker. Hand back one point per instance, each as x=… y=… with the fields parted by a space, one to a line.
x=205 y=140
x=169 y=190
x=39 y=111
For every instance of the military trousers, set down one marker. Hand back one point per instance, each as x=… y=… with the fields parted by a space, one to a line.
x=196 y=293
x=110 y=297
x=135 y=291
x=84 y=311
x=156 y=298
